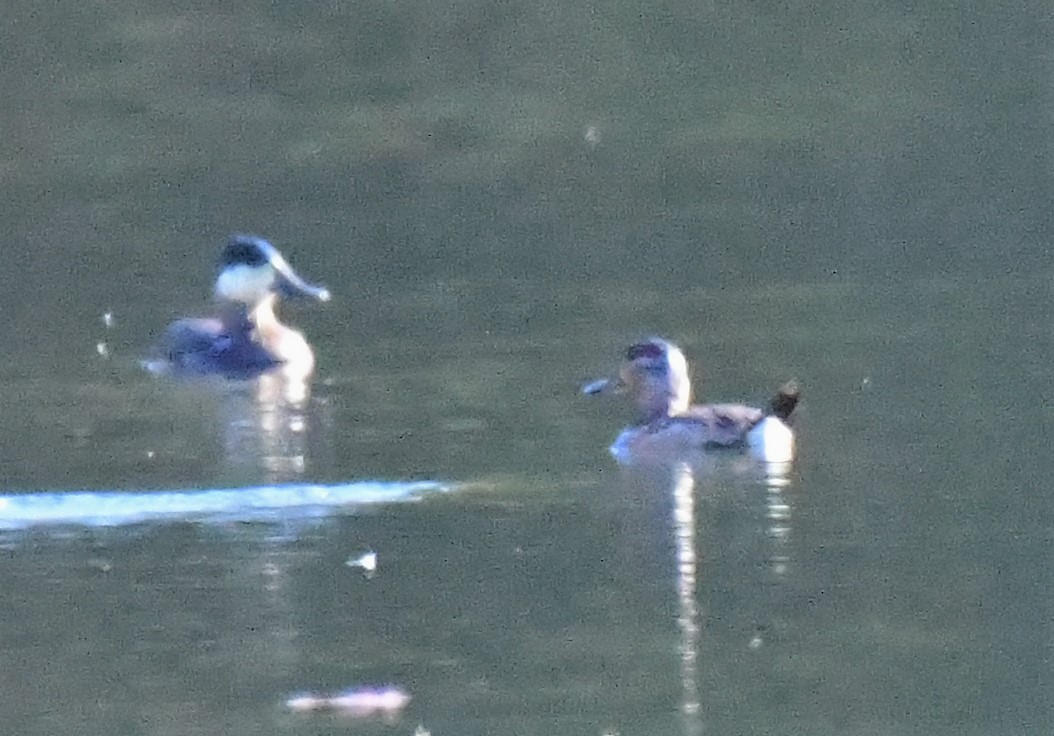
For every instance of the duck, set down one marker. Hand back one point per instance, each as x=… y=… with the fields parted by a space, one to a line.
x=245 y=338
x=655 y=374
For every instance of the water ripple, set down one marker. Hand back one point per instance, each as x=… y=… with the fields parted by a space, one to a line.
x=261 y=503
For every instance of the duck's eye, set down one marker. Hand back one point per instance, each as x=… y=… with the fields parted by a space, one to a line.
x=644 y=350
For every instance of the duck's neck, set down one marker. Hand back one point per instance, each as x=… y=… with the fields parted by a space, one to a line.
x=664 y=401
x=680 y=399
x=241 y=319
x=235 y=318
x=263 y=316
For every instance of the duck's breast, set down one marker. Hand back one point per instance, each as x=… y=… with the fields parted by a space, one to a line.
x=290 y=349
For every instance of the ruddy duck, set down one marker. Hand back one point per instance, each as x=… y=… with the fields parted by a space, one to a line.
x=245 y=339
x=655 y=373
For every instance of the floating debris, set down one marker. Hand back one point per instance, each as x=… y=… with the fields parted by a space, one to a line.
x=367 y=561
x=597 y=387
x=356 y=702
x=592 y=136
x=100 y=564
x=108 y=321
x=102 y=349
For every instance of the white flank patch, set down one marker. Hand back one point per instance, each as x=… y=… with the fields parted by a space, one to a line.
x=772 y=441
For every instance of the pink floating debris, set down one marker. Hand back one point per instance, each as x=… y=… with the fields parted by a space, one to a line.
x=357 y=702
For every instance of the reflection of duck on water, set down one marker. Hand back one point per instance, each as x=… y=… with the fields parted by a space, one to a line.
x=655 y=373
x=245 y=339
x=729 y=557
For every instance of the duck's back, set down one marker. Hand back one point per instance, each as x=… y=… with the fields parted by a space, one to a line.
x=721 y=425
x=703 y=426
x=205 y=347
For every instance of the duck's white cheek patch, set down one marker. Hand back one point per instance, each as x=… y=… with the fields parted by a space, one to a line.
x=246 y=284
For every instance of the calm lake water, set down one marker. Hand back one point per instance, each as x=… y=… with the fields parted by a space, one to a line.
x=501 y=197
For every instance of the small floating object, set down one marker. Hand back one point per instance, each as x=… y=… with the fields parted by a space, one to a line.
x=108 y=320
x=597 y=387
x=592 y=136
x=356 y=702
x=100 y=564
x=367 y=561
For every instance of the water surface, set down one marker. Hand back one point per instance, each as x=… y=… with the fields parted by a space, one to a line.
x=502 y=198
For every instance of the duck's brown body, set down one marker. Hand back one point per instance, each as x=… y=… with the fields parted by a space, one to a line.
x=655 y=373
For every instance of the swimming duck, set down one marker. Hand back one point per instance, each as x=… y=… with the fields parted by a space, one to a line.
x=655 y=373
x=245 y=339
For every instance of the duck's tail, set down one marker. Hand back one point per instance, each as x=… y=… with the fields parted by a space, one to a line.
x=782 y=404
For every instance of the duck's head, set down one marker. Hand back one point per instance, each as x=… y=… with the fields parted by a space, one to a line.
x=252 y=271
x=655 y=374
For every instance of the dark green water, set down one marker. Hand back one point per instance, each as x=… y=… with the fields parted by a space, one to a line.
x=500 y=197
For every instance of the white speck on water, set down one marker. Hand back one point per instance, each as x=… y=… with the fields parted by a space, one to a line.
x=367 y=561
x=596 y=387
x=100 y=564
x=592 y=136
x=108 y=321
x=102 y=349
x=356 y=702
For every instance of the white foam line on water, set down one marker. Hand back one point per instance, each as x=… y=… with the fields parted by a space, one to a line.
x=281 y=502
